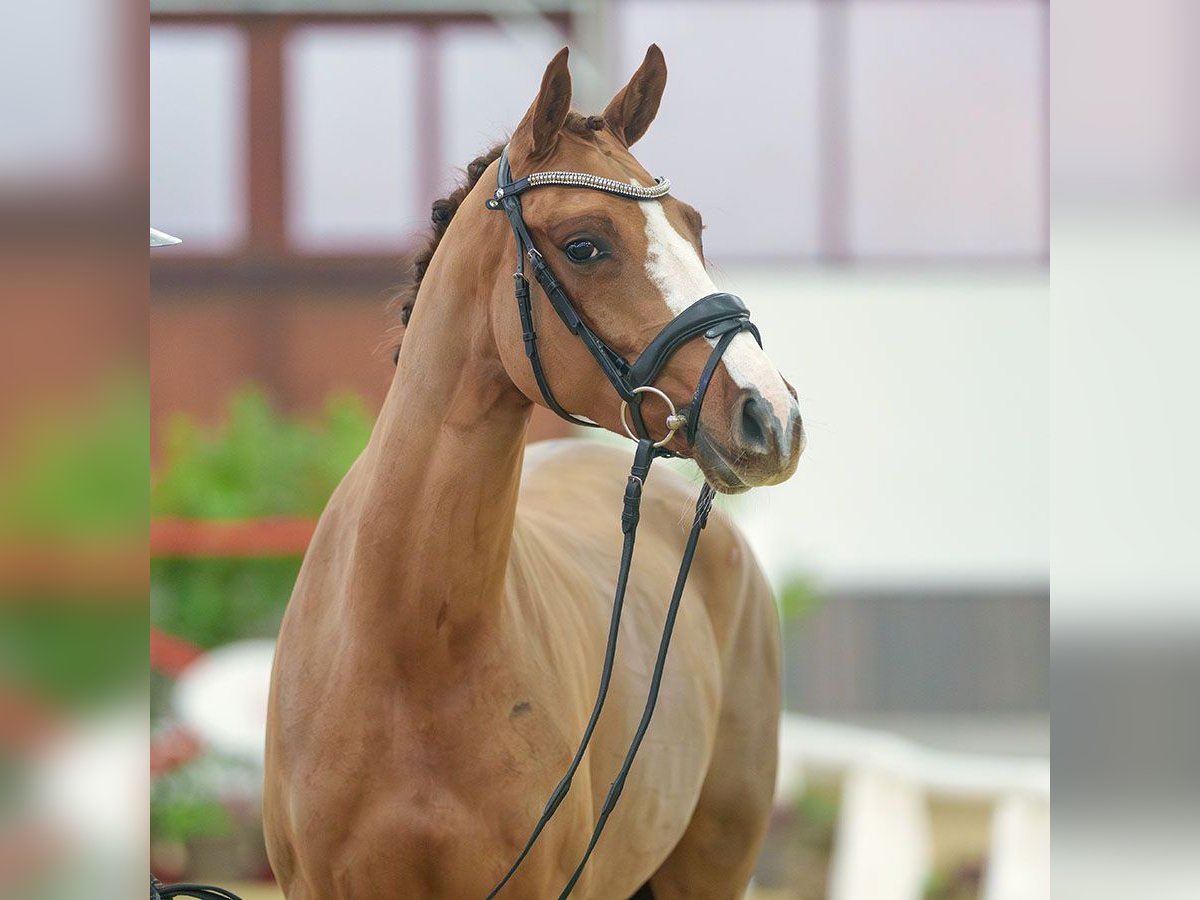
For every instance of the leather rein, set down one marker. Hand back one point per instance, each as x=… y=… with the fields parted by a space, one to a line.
x=719 y=318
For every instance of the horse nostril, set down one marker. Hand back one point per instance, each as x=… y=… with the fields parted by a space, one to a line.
x=755 y=424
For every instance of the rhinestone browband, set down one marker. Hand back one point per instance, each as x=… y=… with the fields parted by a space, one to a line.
x=660 y=188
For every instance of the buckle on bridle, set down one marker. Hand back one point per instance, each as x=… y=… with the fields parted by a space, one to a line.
x=675 y=420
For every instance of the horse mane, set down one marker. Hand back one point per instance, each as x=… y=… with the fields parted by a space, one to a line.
x=442 y=213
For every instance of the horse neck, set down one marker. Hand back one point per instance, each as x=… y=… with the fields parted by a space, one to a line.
x=440 y=474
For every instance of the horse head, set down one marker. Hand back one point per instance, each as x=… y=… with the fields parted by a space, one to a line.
x=630 y=267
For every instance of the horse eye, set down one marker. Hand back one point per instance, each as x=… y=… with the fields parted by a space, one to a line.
x=581 y=251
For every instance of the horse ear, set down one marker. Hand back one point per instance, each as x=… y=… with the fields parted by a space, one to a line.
x=634 y=107
x=538 y=132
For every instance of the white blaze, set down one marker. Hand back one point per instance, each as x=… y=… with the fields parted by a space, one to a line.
x=675 y=268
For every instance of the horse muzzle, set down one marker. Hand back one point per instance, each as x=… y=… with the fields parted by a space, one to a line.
x=755 y=446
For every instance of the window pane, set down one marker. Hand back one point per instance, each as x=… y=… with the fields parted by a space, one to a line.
x=946 y=132
x=198 y=135
x=1135 y=134
x=352 y=138
x=737 y=131
x=488 y=78
x=66 y=128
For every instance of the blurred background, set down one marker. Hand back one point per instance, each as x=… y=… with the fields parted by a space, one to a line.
x=882 y=205
x=73 y=450
x=897 y=260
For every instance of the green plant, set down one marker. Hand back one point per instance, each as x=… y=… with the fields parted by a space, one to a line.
x=259 y=462
x=184 y=804
x=79 y=473
x=186 y=819
x=213 y=601
x=72 y=522
x=799 y=598
x=72 y=652
x=817 y=807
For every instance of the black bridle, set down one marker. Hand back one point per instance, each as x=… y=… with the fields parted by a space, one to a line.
x=719 y=318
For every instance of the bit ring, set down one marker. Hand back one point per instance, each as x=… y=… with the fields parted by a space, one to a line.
x=675 y=420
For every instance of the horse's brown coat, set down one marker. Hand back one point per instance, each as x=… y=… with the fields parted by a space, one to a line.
x=441 y=651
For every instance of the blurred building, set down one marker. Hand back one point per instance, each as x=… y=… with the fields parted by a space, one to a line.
x=873 y=176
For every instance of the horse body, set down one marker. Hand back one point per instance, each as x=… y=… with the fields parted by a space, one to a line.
x=441 y=651
x=430 y=791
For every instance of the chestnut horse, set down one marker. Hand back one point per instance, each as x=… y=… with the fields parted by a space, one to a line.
x=440 y=654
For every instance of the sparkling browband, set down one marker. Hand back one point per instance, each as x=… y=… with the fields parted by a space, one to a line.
x=581 y=179
x=660 y=188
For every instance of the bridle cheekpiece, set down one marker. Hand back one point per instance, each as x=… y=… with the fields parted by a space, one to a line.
x=720 y=317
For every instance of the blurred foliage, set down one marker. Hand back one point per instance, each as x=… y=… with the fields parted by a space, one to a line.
x=796 y=855
x=70 y=652
x=817 y=808
x=799 y=598
x=184 y=804
x=960 y=883
x=80 y=473
x=213 y=601
x=73 y=494
x=258 y=462
x=186 y=818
